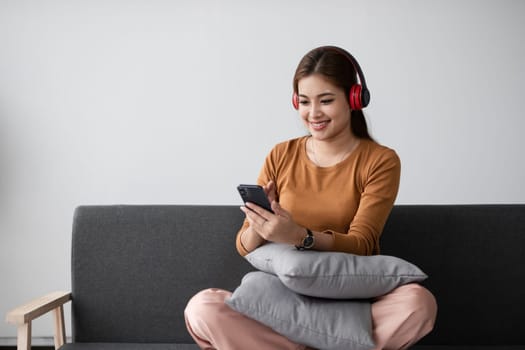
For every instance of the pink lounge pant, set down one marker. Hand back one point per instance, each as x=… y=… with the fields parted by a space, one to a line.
x=399 y=319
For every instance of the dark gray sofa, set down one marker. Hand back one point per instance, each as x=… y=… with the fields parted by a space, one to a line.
x=135 y=267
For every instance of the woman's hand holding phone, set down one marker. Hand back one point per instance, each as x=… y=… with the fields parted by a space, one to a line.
x=275 y=225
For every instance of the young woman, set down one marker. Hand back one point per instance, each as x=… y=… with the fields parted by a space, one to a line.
x=332 y=191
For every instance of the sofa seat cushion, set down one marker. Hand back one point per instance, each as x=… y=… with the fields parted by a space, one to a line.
x=128 y=346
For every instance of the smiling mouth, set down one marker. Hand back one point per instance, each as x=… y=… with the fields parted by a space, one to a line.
x=319 y=125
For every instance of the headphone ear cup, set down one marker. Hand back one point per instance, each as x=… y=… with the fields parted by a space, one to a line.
x=355 y=99
x=295 y=101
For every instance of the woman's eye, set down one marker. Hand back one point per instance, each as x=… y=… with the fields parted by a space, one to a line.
x=303 y=102
x=328 y=101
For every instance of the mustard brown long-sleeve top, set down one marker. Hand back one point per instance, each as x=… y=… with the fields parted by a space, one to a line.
x=350 y=201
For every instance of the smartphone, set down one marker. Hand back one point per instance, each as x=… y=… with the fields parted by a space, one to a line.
x=256 y=195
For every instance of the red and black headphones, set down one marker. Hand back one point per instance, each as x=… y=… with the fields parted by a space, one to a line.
x=359 y=96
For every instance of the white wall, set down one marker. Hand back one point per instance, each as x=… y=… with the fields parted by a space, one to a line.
x=124 y=102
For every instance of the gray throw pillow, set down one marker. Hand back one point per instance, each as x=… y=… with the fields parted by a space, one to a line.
x=334 y=274
x=316 y=322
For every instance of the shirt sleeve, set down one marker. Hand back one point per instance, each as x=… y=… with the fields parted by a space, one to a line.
x=379 y=185
x=238 y=244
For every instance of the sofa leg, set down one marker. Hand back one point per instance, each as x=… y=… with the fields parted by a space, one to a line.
x=24 y=336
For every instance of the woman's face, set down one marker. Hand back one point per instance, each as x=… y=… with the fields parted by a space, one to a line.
x=324 y=108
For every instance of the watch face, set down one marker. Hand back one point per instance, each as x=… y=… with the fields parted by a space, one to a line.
x=308 y=242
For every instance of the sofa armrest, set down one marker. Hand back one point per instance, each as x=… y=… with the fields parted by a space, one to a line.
x=24 y=314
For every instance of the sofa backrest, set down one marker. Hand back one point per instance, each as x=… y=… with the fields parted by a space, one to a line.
x=134 y=268
x=475 y=258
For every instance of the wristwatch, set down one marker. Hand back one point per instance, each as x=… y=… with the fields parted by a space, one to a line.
x=308 y=241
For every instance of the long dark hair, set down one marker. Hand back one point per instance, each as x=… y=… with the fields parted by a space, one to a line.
x=334 y=65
